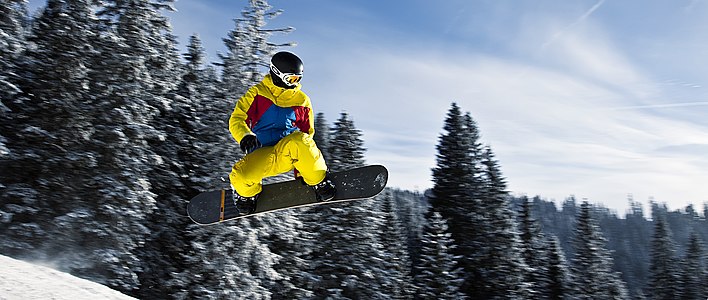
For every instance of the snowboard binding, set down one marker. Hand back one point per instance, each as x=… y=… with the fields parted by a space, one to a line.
x=325 y=190
x=245 y=205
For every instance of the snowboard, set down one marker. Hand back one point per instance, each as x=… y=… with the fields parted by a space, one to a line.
x=218 y=206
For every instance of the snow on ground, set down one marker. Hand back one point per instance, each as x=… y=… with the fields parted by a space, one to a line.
x=21 y=280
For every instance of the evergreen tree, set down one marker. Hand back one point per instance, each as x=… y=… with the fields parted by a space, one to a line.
x=397 y=261
x=214 y=153
x=499 y=268
x=47 y=170
x=350 y=263
x=346 y=148
x=454 y=171
x=234 y=83
x=125 y=101
x=412 y=208
x=259 y=48
x=592 y=264
x=232 y=266
x=663 y=275
x=438 y=276
x=322 y=138
x=217 y=149
x=470 y=192
x=290 y=239
x=175 y=179
x=15 y=183
x=631 y=250
x=693 y=272
x=558 y=285
x=456 y=184
x=13 y=14
x=533 y=251
x=249 y=49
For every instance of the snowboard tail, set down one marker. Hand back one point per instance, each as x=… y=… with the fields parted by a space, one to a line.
x=359 y=183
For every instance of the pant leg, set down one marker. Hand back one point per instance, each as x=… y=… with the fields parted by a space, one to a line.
x=247 y=174
x=297 y=150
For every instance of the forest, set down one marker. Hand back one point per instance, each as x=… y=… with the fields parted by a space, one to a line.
x=107 y=131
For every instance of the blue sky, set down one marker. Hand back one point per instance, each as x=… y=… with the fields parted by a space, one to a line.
x=597 y=99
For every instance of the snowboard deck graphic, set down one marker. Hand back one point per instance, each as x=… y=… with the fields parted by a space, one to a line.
x=359 y=183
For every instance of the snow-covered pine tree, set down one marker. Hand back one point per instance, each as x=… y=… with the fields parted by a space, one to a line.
x=227 y=267
x=49 y=152
x=454 y=172
x=346 y=148
x=397 y=262
x=15 y=189
x=217 y=149
x=322 y=135
x=533 y=251
x=471 y=136
x=437 y=275
x=559 y=285
x=348 y=259
x=631 y=254
x=455 y=193
x=177 y=178
x=664 y=280
x=693 y=271
x=499 y=267
x=469 y=191
x=214 y=150
x=13 y=14
x=565 y=232
x=412 y=208
x=299 y=260
x=289 y=238
x=173 y=143
x=195 y=88
x=234 y=83
x=249 y=48
x=592 y=264
x=260 y=48
x=123 y=107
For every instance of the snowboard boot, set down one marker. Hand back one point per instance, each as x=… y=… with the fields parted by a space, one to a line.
x=325 y=190
x=245 y=205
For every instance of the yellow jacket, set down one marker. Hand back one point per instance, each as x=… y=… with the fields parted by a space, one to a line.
x=271 y=113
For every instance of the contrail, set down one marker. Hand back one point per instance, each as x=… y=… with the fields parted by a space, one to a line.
x=684 y=104
x=571 y=25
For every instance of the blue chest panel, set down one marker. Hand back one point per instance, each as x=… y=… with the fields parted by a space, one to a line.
x=276 y=123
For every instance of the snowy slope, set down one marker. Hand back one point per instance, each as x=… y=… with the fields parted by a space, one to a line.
x=21 y=280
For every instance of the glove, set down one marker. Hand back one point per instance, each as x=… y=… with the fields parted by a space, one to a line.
x=249 y=143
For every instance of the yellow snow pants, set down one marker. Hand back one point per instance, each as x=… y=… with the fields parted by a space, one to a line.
x=296 y=150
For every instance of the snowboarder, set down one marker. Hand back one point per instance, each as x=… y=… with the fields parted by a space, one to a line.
x=273 y=124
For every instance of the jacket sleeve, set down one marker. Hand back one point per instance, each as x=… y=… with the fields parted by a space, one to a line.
x=237 y=122
x=311 y=118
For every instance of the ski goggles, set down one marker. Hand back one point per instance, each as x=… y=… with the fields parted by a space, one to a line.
x=290 y=79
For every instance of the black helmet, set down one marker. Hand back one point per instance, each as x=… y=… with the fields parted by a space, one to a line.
x=286 y=69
